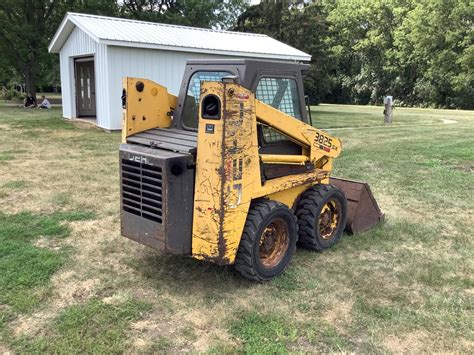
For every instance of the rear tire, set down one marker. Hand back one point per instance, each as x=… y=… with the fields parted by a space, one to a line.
x=268 y=241
x=322 y=216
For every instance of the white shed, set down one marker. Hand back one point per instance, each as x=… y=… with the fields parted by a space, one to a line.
x=96 y=52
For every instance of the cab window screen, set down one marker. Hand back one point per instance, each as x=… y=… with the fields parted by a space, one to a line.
x=280 y=93
x=191 y=103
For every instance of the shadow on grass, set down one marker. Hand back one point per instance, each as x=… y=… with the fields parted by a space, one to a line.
x=181 y=274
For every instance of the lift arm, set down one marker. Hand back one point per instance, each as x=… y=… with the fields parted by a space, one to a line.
x=317 y=143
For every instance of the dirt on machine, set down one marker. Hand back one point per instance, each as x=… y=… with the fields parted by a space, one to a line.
x=232 y=170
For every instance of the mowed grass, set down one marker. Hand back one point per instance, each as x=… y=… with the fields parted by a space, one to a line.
x=70 y=283
x=23 y=266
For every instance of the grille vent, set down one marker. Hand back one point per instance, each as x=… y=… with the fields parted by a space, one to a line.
x=142 y=186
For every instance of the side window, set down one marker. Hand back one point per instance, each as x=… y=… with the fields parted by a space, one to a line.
x=194 y=88
x=282 y=94
x=191 y=103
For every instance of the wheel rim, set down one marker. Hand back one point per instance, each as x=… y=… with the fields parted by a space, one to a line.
x=329 y=220
x=274 y=242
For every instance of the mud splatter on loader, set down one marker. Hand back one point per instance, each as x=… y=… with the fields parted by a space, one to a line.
x=231 y=170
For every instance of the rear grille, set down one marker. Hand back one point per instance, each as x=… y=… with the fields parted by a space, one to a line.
x=142 y=186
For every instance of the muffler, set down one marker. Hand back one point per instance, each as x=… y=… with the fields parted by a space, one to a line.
x=363 y=212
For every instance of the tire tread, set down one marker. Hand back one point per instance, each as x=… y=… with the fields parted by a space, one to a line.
x=257 y=213
x=307 y=212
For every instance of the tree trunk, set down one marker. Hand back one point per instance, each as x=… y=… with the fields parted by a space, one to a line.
x=30 y=73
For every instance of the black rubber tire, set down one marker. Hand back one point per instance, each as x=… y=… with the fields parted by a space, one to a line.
x=308 y=211
x=248 y=262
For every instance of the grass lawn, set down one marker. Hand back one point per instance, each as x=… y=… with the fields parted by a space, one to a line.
x=50 y=95
x=70 y=283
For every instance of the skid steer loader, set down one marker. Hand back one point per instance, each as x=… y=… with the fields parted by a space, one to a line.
x=231 y=170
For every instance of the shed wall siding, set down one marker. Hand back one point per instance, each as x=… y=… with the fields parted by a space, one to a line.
x=163 y=67
x=102 y=87
x=111 y=64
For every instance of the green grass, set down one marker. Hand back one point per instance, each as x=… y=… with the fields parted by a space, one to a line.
x=5 y=157
x=93 y=327
x=404 y=286
x=24 y=268
x=15 y=184
x=264 y=334
x=350 y=116
x=274 y=333
x=49 y=95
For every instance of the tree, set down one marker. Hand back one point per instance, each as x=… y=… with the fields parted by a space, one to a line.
x=25 y=34
x=417 y=51
x=301 y=25
x=207 y=14
x=360 y=40
x=265 y=18
x=27 y=28
x=421 y=52
x=434 y=50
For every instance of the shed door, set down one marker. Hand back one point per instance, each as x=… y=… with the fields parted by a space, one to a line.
x=85 y=87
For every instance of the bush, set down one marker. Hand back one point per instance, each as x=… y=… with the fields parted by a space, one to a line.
x=11 y=94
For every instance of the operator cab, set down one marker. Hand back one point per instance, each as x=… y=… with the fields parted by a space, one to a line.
x=277 y=84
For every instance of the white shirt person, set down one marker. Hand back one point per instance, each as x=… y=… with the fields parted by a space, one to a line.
x=44 y=103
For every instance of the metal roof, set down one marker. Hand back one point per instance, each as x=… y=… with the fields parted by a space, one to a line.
x=140 y=34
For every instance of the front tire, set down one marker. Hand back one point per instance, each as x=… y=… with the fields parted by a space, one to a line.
x=268 y=241
x=322 y=216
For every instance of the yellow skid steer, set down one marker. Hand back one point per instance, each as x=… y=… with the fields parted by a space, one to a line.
x=231 y=170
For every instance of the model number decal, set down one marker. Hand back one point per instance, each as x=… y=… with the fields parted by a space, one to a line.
x=323 y=140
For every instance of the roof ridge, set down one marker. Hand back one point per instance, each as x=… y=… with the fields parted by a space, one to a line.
x=111 y=18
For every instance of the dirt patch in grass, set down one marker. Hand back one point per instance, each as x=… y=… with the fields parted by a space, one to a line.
x=79 y=280
x=468 y=168
x=339 y=314
x=4 y=350
x=412 y=342
x=449 y=121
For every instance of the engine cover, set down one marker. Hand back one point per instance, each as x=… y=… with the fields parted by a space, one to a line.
x=157 y=192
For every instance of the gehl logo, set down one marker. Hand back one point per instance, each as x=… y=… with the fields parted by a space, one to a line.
x=139 y=159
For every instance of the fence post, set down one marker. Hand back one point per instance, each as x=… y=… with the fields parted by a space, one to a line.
x=388 y=109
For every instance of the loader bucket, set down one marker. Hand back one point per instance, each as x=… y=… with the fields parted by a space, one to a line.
x=363 y=211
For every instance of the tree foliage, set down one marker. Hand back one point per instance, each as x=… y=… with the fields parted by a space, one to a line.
x=303 y=27
x=28 y=26
x=24 y=35
x=197 y=13
x=420 y=51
